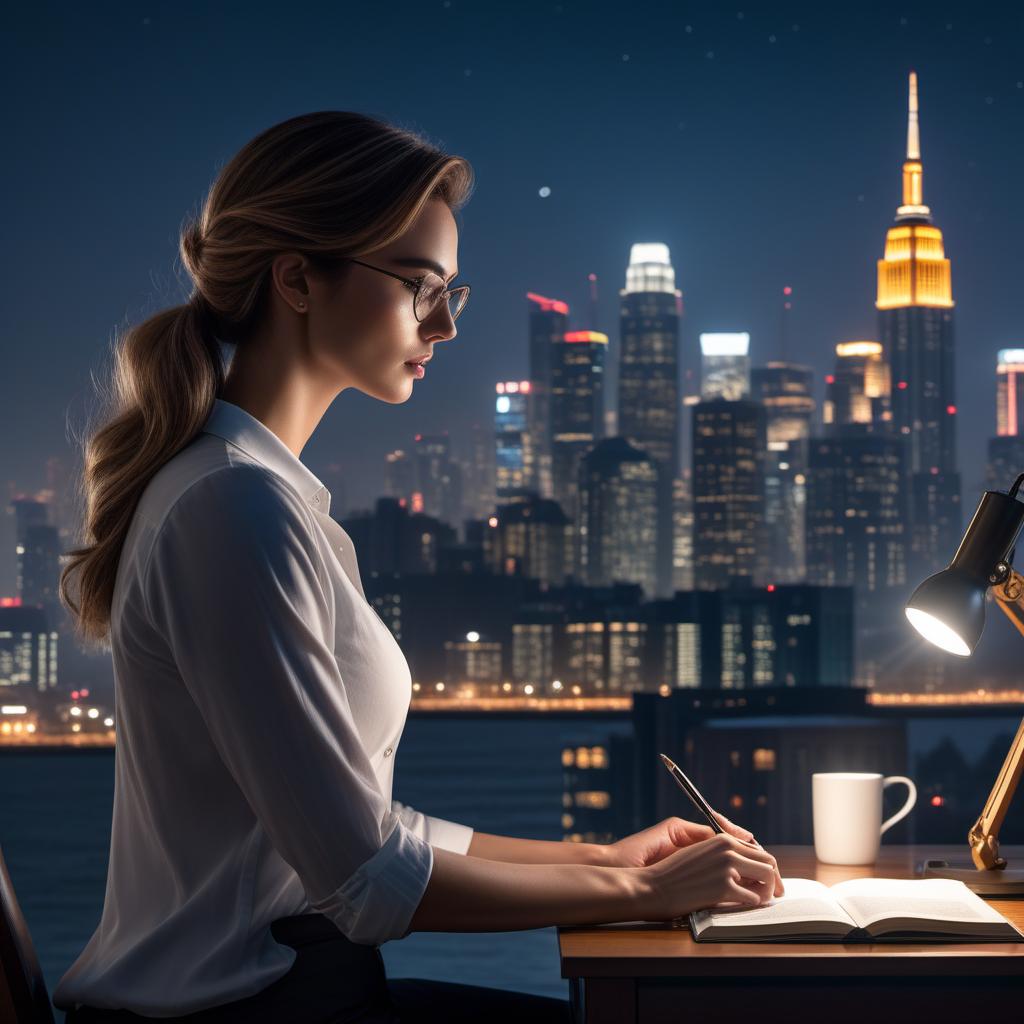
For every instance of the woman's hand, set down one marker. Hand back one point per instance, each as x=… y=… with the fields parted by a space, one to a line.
x=655 y=843
x=707 y=873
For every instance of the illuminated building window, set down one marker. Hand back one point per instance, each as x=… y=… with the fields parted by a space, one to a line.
x=567 y=821
x=735 y=800
x=593 y=798
x=734 y=758
x=764 y=759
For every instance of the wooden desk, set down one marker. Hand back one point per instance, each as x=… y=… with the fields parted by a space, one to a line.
x=658 y=973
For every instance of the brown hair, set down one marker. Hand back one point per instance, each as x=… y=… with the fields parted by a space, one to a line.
x=331 y=185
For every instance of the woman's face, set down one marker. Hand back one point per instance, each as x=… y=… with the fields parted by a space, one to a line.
x=364 y=330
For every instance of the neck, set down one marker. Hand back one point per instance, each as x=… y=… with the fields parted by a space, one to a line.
x=283 y=397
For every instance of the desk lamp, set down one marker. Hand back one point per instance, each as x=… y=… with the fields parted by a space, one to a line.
x=948 y=609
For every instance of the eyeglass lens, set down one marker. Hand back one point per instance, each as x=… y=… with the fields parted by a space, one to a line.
x=429 y=295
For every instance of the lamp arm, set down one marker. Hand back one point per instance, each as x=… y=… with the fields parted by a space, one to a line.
x=984 y=834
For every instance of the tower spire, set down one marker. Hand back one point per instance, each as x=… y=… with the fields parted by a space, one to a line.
x=913 y=134
x=913 y=206
x=914 y=270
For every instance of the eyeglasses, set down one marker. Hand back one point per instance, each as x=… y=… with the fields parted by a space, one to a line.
x=430 y=291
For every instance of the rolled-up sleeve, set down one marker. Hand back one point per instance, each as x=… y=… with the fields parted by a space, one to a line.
x=446 y=835
x=237 y=586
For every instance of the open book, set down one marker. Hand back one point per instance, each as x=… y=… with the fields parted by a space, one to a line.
x=870 y=909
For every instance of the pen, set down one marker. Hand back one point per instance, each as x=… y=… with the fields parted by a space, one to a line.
x=694 y=794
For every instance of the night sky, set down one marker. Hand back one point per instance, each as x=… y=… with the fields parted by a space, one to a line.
x=762 y=143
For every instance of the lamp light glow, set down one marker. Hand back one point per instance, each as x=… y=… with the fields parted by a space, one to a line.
x=937 y=632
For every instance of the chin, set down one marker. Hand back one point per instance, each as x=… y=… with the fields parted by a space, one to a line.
x=392 y=395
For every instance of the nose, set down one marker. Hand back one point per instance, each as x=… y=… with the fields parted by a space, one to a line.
x=441 y=322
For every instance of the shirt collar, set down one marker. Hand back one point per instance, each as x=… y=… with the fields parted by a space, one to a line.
x=257 y=440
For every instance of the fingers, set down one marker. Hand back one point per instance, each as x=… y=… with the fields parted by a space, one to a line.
x=758 y=852
x=755 y=852
x=755 y=870
x=768 y=869
x=741 y=894
x=733 y=828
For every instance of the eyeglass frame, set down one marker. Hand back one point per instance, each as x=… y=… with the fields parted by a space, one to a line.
x=418 y=282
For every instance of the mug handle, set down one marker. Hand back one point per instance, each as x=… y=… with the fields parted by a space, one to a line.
x=907 y=807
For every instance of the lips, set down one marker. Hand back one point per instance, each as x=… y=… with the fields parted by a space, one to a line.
x=418 y=362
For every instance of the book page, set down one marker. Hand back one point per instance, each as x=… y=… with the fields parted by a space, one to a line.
x=804 y=900
x=869 y=900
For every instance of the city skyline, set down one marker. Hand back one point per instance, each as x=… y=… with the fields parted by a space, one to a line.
x=754 y=153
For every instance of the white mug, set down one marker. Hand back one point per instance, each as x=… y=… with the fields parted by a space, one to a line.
x=847 y=808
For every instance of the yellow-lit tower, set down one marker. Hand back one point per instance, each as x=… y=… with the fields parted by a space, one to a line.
x=915 y=310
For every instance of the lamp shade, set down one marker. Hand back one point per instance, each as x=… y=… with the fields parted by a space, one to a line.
x=948 y=609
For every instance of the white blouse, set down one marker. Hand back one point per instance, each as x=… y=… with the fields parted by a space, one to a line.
x=260 y=701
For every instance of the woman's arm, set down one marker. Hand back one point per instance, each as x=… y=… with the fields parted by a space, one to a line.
x=471 y=894
x=537 y=851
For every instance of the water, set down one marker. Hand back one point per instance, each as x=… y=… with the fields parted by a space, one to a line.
x=502 y=777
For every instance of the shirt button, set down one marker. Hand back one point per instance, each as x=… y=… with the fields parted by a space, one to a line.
x=387 y=751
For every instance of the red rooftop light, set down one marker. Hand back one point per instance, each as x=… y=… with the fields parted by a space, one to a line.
x=830 y=379
x=549 y=305
x=951 y=410
x=902 y=385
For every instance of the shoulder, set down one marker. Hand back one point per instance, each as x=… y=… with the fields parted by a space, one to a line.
x=240 y=507
x=210 y=471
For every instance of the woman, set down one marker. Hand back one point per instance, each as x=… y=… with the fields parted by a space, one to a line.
x=257 y=860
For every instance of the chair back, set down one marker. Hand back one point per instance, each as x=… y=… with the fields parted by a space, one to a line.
x=23 y=995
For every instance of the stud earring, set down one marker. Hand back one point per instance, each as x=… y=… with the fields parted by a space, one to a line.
x=302 y=305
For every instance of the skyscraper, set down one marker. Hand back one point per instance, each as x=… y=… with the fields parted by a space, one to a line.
x=38 y=551
x=858 y=529
x=648 y=408
x=856 y=535
x=784 y=389
x=1006 y=449
x=399 y=476
x=858 y=392
x=513 y=453
x=577 y=409
x=618 y=515
x=725 y=366
x=478 y=471
x=729 y=443
x=549 y=320
x=682 y=531
x=438 y=479
x=28 y=648
x=40 y=571
x=531 y=538
x=1010 y=392
x=915 y=310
